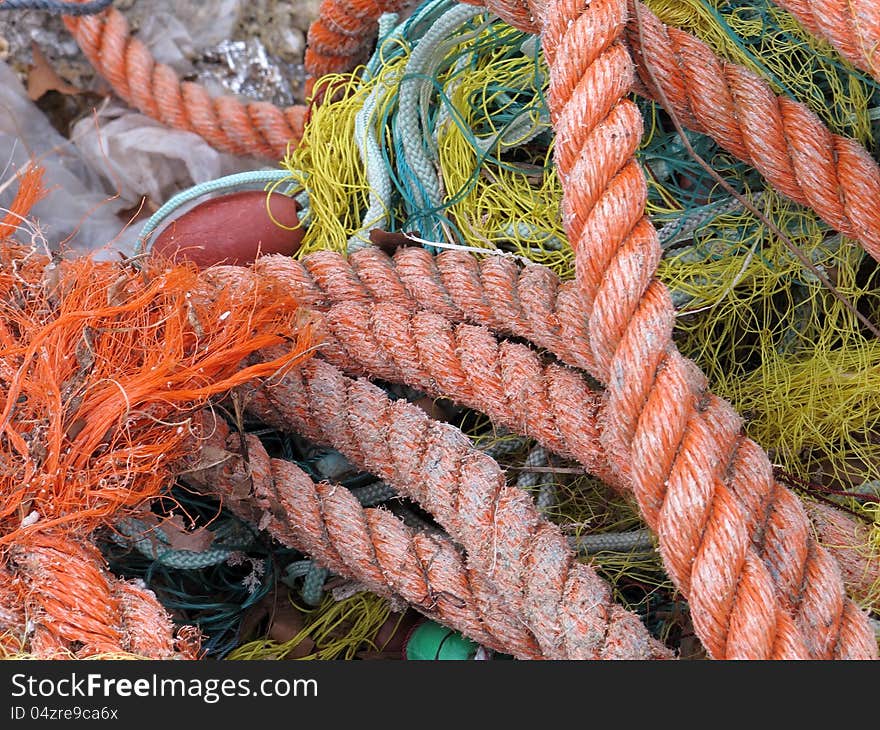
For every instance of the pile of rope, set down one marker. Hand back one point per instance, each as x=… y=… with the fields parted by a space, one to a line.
x=584 y=365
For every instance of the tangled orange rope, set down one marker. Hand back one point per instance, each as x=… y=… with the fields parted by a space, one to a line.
x=153 y=88
x=370 y=312
x=371 y=546
x=702 y=486
x=342 y=35
x=851 y=26
x=564 y=604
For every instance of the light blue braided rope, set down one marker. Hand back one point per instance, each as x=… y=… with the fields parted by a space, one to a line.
x=416 y=160
x=221 y=184
x=230 y=537
x=312 y=590
x=366 y=137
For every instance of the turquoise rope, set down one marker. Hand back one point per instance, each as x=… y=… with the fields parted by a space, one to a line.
x=221 y=184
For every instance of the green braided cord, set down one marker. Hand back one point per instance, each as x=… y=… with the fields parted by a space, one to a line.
x=312 y=591
x=617 y=542
x=413 y=105
x=372 y=494
x=152 y=542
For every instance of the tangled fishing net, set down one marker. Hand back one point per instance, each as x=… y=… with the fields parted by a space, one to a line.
x=163 y=439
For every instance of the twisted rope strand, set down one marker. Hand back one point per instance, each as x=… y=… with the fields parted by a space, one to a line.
x=781 y=138
x=564 y=604
x=706 y=491
x=48 y=573
x=341 y=36
x=371 y=324
x=371 y=546
x=852 y=27
x=361 y=294
x=153 y=88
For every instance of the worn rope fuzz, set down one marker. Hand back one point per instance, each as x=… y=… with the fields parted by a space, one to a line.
x=706 y=491
x=564 y=604
x=153 y=88
x=371 y=546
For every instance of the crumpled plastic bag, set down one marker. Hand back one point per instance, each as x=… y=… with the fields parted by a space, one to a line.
x=174 y=31
x=140 y=157
x=79 y=210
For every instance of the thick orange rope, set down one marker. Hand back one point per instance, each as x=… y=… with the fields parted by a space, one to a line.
x=781 y=138
x=153 y=88
x=371 y=546
x=563 y=603
x=705 y=490
x=848 y=540
x=372 y=324
x=851 y=26
x=343 y=34
x=60 y=585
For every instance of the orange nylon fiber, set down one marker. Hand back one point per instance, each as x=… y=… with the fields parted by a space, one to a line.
x=75 y=607
x=257 y=127
x=564 y=604
x=851 y=26
x=371 y=546
x=101 y=366
x=703 y=488
x=30 y=190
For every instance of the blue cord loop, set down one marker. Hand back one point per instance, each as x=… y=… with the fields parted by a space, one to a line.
x=57 y=7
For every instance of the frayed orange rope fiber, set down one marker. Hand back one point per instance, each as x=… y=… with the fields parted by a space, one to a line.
x=30 y=191
x=101 y=367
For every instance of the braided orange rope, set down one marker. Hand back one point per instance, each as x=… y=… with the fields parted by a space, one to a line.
x=781 y=138
x=343 y=34
x=371 y=546
x=48 y=574
x=706 y=490
x=372 y=325
x=848 y=540
x=851 y=26
x=153 y=88
x=563 y=603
